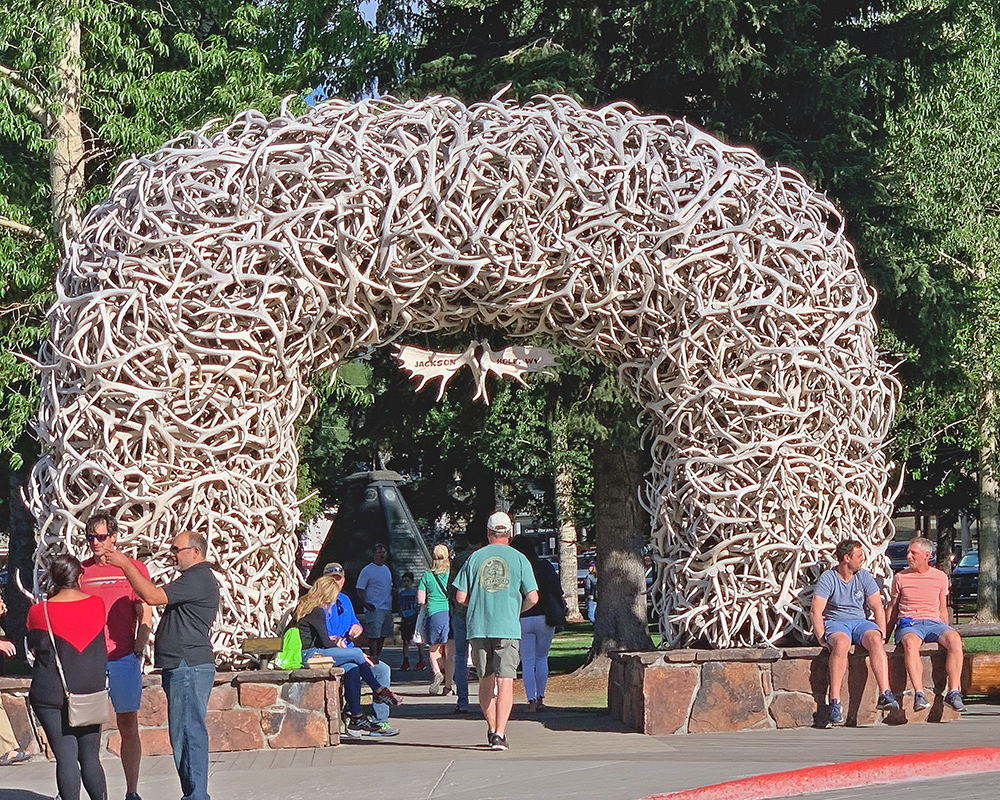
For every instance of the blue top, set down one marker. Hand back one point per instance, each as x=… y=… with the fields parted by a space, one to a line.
x=340 y=618
x=407 y=603
x=845 y=601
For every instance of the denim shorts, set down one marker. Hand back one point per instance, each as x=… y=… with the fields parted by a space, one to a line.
x=125 y=684
x=854 y=628
x=438 y=627
x=929 y=630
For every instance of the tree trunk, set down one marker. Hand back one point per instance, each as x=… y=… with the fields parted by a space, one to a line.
x=66 y=161
x=565 y=521
x=620 y=522
x=989 y=510
x=945 y=548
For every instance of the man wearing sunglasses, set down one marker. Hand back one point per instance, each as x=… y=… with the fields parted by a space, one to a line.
x=126 y=631
x=183 y=651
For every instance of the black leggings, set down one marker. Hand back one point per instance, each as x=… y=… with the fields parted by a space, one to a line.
x=77 y=752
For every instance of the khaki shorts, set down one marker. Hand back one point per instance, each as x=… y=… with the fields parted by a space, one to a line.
x=498 y=657
x=378 y=623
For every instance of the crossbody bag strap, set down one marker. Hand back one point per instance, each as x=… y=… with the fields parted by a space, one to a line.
x=438 y=579
x=55 y=651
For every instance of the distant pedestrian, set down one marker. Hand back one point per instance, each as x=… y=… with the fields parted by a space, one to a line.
x=590 y=590
x=919 y=610
x=407 y=598
x=433 y=591
x=183 y=651
x=374 y=588
x=497 y=584
x=66 y=637
x=538 y=624
x=10 y=752
x=127 y=631
x=459 y=614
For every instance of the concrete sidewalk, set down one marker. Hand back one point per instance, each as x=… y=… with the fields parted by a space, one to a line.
x=561 y=753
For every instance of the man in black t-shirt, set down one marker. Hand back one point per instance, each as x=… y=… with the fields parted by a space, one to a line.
x=183 y=651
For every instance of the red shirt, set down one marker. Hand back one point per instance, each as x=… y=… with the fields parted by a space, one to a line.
x=110 y=584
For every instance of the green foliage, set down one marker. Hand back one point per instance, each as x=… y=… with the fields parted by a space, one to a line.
x=945 y=148
x=149 y=71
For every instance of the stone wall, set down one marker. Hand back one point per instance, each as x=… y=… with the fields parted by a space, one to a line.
x=700 y=691
x=251 y=710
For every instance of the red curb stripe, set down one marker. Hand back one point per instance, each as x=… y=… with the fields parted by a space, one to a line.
x=884 y=769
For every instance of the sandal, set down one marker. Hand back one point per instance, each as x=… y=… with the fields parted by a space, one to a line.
x=14 y=757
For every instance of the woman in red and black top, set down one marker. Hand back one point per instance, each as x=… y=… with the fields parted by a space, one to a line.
x=78 y=627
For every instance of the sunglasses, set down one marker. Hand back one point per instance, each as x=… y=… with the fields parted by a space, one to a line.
x=174 y=549
x=97 y=537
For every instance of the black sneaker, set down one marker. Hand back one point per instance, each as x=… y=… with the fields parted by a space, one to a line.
x=461 y=710
x=489 y=737
x=498 y=742
x=361 y=726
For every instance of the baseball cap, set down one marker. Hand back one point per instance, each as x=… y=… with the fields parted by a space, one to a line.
x=499 y=522
x=333 y=568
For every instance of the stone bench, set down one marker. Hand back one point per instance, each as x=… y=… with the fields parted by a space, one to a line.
x=247 y=710
x=699 y=691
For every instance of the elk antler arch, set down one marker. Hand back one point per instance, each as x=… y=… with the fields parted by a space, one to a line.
x=226 y=268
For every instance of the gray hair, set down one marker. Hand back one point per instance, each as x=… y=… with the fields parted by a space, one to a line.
x=199 y=541
x=926 y=544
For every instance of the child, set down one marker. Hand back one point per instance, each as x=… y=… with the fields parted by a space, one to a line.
x=407 y=597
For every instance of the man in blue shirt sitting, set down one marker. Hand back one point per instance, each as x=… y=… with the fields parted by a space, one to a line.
x=839 y=620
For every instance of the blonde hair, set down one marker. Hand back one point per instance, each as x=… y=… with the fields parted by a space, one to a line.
x=442 y=559
x=323 y=593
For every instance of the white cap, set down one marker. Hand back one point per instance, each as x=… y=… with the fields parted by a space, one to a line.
x=500 y=522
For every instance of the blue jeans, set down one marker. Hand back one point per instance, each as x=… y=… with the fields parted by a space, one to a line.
x=460 y=634
x=591 y=609
x=187 y=689
x=355 y=667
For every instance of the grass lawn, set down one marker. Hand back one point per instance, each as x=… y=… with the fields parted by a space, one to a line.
x=981 y=644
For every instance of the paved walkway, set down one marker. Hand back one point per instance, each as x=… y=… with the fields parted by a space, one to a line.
x=562 y=753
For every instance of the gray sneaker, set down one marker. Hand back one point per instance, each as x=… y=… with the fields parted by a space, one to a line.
x=954 y=699
x=382 y=730
x=920 y=701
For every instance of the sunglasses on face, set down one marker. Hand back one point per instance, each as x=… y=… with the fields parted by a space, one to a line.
x=174 y=549
x=97 y=537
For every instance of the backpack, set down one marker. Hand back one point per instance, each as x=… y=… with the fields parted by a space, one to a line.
x=290 y=656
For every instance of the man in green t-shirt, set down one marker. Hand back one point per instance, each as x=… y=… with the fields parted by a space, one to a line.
x=497 y=584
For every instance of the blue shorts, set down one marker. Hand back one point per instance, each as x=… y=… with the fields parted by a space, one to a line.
x=854 y=628
x=125 y=684
x=437 y=627
x=929 y=630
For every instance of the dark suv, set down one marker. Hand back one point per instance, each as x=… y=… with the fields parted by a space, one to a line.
x=965 y=579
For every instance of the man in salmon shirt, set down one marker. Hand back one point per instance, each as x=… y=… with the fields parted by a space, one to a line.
x=126 y=631
x=919 y=611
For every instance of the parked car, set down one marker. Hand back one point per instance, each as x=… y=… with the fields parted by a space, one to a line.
x=897 y=555
x=965 y=579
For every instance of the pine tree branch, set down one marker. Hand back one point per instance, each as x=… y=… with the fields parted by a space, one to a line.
x=33 y=102
x=20 y=227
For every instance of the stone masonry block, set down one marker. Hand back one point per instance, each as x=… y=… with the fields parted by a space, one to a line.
x=730 y=698
x=234 y=730
x=258 y=695
x=301 y=729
